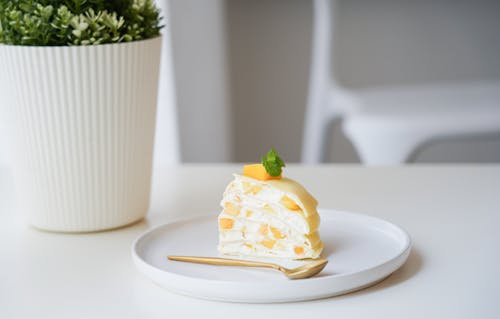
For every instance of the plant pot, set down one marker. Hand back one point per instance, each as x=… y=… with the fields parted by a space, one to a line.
x=85 y=121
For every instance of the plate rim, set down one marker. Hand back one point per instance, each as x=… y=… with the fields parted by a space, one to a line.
x=404 y=251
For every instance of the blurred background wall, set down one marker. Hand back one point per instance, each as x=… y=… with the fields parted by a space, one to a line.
x=200 y=60
x=241 y=68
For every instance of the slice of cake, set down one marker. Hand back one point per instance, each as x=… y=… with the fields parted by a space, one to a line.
x=267 y=215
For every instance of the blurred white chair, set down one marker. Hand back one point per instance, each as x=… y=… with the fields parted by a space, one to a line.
x=386 y=125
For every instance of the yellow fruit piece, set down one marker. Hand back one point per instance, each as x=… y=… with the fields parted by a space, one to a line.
x=258 y=171
x=237 y=199
x=249 y=213
x=269 y=243
x=231 y=209
x=255 y=190
x=268 y=208
x=264 y=229
x=276 y=233
x=289 y=203
x=248 y=245
x=248 y=188
x=226 y=223
x=298 y=250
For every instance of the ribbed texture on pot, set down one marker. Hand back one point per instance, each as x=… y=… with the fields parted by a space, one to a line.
x=85 y=118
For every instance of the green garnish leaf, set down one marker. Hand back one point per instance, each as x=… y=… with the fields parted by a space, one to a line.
x=273 y=163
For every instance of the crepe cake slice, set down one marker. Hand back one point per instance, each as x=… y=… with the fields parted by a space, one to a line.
x=268 y=216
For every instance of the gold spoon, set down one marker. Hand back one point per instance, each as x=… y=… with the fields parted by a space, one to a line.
x=304 y=271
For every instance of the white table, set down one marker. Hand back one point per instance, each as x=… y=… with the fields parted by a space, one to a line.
x=451 y=212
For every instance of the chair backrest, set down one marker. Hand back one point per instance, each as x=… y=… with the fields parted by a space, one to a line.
x=326 y=99
x=321 y=42
x=323 y=85
x=167 y=137
x=322 y=60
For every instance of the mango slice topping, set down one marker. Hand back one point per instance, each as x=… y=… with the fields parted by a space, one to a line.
x=258 y=171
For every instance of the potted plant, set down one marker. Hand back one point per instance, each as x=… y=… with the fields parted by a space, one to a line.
x=81 y=77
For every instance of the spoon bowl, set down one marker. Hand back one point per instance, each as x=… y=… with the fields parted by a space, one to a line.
x=306 y=270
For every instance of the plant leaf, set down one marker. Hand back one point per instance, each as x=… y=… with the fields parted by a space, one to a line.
x=273 y=163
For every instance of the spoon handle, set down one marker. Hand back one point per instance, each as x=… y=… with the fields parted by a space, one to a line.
x=223 y=261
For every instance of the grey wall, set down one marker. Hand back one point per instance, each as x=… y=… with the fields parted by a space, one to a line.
x=200 y=65
x=269 y=50
x=386 y=42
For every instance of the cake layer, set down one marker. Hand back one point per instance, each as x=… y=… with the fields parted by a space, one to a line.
x=278 y=196
x=234 y=228
x=243 y=248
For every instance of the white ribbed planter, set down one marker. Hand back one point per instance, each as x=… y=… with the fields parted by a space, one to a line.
x=85 y=121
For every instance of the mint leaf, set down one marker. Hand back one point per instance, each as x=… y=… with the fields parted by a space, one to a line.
x=273 y=163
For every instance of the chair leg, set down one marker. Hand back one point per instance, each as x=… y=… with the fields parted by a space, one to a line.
x=382 y=147
x=315 y=136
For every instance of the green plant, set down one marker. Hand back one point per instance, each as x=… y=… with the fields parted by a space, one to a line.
x=77 y=22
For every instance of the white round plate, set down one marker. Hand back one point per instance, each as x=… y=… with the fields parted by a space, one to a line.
x=361 y=251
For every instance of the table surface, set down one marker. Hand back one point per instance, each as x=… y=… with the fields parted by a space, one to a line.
x=452 y=214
